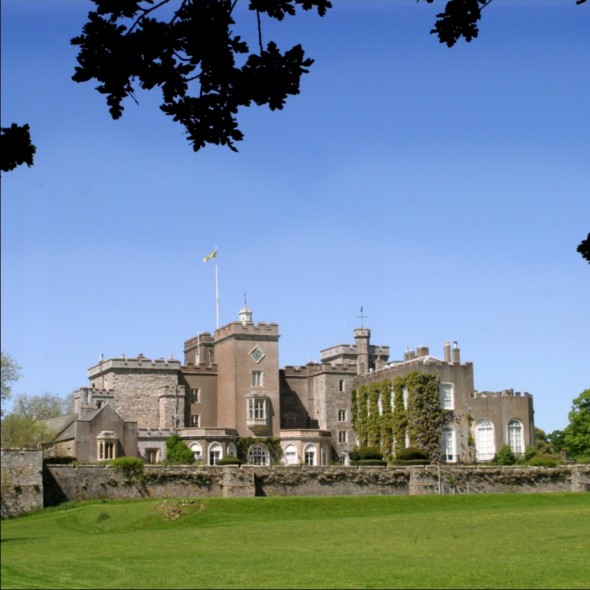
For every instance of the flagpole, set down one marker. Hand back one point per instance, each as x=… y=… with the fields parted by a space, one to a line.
x=216 y=296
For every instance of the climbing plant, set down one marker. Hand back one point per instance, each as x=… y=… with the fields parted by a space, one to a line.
x=383 y=418
x=272 y=444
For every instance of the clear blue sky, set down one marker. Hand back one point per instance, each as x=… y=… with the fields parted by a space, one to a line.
x=444 y=190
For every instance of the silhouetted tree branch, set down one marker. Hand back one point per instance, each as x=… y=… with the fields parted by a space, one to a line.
x=584 y=248
x=15 y=147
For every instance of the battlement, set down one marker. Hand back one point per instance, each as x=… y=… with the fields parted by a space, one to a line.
x=503 y=393
x=201 y=338
x=238 y=328
x=140 y=362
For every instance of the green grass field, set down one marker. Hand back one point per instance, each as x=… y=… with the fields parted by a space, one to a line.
x=479 y=541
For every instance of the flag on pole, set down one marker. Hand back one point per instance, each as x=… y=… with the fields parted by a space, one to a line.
x=212 y=255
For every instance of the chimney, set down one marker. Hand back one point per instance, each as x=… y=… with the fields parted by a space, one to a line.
x=422 y=351
x=447 y=349
x=456 y=353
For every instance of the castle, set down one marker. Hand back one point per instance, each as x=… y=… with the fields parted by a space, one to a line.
x=230 y=388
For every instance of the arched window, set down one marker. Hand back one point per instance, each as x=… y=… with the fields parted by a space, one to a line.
x=290 y=453
x=232 y=450
x=257 y=455
x=447 y=445
x=197 y=451
x=215 y=453
x=516 y=436
x=309 y=454
x=484 y=440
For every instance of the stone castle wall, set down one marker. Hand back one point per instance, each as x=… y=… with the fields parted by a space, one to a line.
x=88 y=482
x=22 y=482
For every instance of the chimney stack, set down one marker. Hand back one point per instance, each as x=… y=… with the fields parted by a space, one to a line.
x=456 y=353
x=447 y=349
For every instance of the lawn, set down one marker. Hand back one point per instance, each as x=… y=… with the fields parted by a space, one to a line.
x=478 y=541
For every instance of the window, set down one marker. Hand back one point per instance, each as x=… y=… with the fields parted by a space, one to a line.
x=342 y=436
x=447 y=444
x=290 y=455
x=380 y=406
x=151 y=455
x=256 y=354
x=214 y=453
x=106 y=450
x=256 y=377
x=195 y=395
x=340 y=384
x=197 y=451
x=515 y=436
x=195 y=420
x=406 y=396
x=256 y=408
x=484 y=440
x=341 y=415
x=447 y=396
x=309 y=455
x=257 y=455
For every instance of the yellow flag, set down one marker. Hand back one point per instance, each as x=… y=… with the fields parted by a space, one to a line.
x=212 y=255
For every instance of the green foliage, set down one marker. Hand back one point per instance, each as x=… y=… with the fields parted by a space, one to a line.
x=505 y=456
x=9 y=373
x=273 y=445
x=229 y=460
x=577 y=432
x=364 y=453
x=130 y=467
x=377 y=424
x=544 y=461
x=556 y=440
x=412 y=453
x=23 y=432
x=41 y=407
x=177 y=453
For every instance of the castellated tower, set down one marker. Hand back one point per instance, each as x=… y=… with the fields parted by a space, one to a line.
x=247 y=358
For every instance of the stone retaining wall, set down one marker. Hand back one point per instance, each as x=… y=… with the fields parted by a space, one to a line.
x=22 y=481
x=86 y=482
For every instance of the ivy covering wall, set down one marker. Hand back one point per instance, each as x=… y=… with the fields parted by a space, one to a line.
x=383 y=418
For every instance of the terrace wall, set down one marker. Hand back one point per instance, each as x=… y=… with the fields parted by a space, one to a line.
x=65 y=482
x=22 y=481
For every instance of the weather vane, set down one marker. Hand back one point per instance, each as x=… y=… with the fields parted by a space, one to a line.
x=362 y=316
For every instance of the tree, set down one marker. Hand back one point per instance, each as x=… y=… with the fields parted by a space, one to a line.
x=15 y=147
x=10 y=372
x=204 y=71
x=177 y=451
x=584 y=248
x=41 y=407
x=577 y=432
x=24 y=432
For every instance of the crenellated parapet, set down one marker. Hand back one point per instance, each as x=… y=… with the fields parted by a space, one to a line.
x=238 y=330
x=503 y=393
x=138 y=363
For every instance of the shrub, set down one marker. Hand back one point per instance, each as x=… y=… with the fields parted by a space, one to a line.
x=544 y=461
x=130 y=467
x=177 y=453
x=229 y=460
x=365 y=453
x=412 y=454
x=529 y=453
x=505 y=456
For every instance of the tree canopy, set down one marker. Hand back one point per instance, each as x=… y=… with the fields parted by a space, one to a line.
x=576 y=435
x=10 y=372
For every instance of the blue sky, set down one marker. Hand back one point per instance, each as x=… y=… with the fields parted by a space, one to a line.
x=443 y=190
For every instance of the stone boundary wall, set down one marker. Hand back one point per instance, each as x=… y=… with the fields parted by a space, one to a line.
x=21 y=487
x=86 y=482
